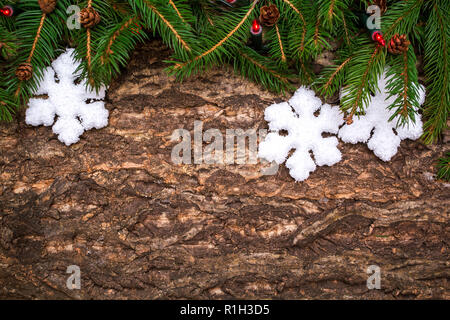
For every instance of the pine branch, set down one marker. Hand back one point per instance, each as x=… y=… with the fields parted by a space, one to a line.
x=296 y=24
x=88 y=51
x=437 y=70
x=8 y=105
x=403 y=84
x=8 y=43
x=33 y=48
x=202 y=12
x=38 y=35
x=183 y=11
x=345 y=28
x=163 y=19
x=276 y=41
x=331 y=12
x=316 y=38
x=305 y=74
x=332 y=78
x=401 y=17
x=170 y=26
x=217 y=40
x=97 y=65
x=316 y=32
x=261 y=69
x=121 y=28
x=114 y=49
x=362 y=76
x=444 y=167
x=280 y=43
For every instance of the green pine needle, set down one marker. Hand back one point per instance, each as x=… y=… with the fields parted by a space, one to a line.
x=443 y=167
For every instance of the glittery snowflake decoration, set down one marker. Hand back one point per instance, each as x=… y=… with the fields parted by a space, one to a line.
x=303 y=131
x=386 y=136
x=76 y=108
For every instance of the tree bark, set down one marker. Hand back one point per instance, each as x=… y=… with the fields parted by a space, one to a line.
x=141 y=227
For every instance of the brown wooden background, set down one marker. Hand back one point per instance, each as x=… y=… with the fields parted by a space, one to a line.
x=141 y=227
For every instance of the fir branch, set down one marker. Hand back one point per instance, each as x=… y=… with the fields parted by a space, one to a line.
x=169 y=25
x=202 y=12
x=316 y=31
x=437 y=70
x=8 y=105
x=88 y=51
x=401 y=17
x=88 y=54
x=261 y=69
x=344 y=24
x=280 y=43
x=162 y=18
x=303 y=24
x=317 y=38
x=403 y=84
x=124 y=26
x=406 y=105
x=332 y=78
x=221 y=42
x=8 y=43
x=443 y=167
x=360 y=90
x=114 y=48
x=363 y=71
x=177 y=68
x=93 y=43
x=120 y=7
x=305 y=74
x=33 y=48
x=36 y=38
x=176 y=10
x=330 y=11
x=276 y=39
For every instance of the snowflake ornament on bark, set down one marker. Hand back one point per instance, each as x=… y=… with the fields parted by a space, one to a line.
x=304 y=134
x=384 y=141
x=76 y=108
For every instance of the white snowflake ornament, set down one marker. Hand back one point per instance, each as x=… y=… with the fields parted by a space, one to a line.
x=304 y=134
x=384 y=142
x=67 y=100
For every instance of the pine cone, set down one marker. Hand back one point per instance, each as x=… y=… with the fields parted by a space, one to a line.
x=398 y=44
x=24 y=71
x=47 y=6
x=89 y=17
x=382 y=4
x=269 y=15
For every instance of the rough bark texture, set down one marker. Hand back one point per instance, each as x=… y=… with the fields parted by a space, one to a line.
x=140 y=226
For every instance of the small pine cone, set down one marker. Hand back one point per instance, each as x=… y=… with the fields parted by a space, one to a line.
x=398 y=44
x=382 y=4
x=47 y=6
x=24 y=71
x=89 y=18
x=269 y=15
